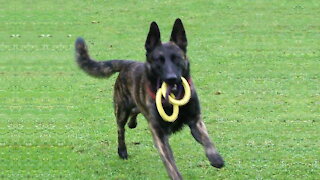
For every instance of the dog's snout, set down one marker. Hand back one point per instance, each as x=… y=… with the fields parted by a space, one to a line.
x=171 y=79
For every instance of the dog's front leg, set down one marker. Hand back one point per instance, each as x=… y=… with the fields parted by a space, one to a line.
x=162 y=143
x=200 y=133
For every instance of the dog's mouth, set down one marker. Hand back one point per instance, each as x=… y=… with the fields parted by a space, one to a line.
x=173 y=88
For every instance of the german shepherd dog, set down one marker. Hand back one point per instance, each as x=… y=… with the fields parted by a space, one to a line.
x=135 y=89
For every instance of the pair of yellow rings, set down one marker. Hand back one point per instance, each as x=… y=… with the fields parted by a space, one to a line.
x=175 y=103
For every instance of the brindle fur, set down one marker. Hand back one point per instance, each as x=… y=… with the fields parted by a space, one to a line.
x=165 y=62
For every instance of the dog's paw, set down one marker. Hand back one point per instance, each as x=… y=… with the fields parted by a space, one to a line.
x=123 y=153
x=216 y=161
x=132 y=124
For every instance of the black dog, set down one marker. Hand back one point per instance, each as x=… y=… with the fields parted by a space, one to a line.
x=135 y=89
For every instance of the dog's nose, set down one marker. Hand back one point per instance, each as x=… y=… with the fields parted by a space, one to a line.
x=171 y=79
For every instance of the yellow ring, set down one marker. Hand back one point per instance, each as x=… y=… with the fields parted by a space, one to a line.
x=161 y=111
x=172 y=100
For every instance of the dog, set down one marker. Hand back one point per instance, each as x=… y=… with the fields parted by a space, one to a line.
x=135 y=88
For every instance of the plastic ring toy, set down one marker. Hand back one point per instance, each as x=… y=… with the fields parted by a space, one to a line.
x=175 y=103
x=172 y=100
x=161 y=111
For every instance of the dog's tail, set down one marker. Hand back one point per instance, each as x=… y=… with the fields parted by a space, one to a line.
x=100 y=69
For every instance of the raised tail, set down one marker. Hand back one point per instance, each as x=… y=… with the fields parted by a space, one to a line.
x=100 y=69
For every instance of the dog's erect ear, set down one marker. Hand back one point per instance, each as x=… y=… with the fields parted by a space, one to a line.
x=153 y=38
x=178 y=35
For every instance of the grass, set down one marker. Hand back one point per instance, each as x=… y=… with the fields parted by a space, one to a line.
x=263 y=56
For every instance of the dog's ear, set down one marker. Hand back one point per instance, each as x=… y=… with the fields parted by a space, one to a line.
x=178 y=35
x=153 y=38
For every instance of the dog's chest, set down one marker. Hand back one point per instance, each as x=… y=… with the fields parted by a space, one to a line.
x=177 y=125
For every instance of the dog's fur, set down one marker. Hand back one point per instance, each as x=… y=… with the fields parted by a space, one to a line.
x=166 y=62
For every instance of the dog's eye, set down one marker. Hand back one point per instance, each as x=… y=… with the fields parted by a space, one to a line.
x=175 y=58
x=161 y=59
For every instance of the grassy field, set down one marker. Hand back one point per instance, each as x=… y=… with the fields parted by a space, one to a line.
x=262 y=56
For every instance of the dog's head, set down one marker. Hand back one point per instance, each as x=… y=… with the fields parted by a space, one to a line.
x=167 y=61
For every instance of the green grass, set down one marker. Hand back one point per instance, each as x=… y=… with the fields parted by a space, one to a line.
x=263 y=56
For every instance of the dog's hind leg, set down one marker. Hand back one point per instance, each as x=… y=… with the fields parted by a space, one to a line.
x=133 y=118
x=199 y=132
x=122 y=117
x=133 y=121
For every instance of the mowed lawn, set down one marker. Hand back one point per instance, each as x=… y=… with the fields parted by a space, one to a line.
x=256 y=66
